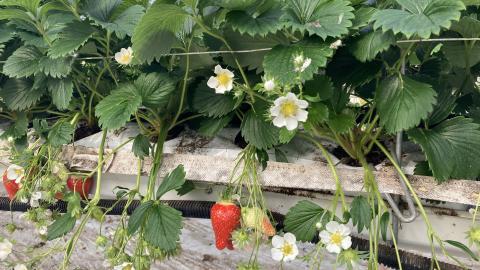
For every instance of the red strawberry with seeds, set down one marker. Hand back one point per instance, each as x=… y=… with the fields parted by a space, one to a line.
x=225 y=217
x=80 y=185
x=10 y=186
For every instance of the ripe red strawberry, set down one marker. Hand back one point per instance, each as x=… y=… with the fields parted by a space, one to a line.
x=225 y=217
x=80 y=185
x=10 y=186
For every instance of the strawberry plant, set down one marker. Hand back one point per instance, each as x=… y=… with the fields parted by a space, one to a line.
x=358 y=74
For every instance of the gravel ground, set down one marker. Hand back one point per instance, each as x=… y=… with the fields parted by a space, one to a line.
x=199 y=252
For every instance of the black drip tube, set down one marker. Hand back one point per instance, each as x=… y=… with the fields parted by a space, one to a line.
x=201 y=209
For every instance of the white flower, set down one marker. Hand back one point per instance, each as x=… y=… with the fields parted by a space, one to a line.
x=336 y=237
x=34 y=199
x=357 y=101
x=288 y=111
x=301 y=63
x=20 y=266
x=284 y=248
x=124 y=56
x=10 y=139
x=5 y=249
x=478 y=82
x=269 y=85
x=82 y=18
x=124 y=266
x=336 y=44
x=15 y=173
x=223 y=82
x=42 y=230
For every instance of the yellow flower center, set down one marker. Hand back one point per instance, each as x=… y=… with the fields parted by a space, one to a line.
x=336 y=238
x=125 y=58
x=287 y=249
x=288 y=108
x=18 y=172
x=223 y=79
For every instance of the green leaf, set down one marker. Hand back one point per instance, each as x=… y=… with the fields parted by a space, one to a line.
x=279 y=62
x=463 y=248
x=235 y=4
x=162 y=227
x=361 y=213
x=141 y=146
x=318 y=89
x=459 y=56
x=384 y=222
x=452 y=148
x=61 y=91
x=61 y=226
x=285 y=135
x=18 y=127
x=362 y=17
x=185 y=188
x=446 y=102
x=341 y=123
x=115 y=109
x=173 y=180
x=368 y=46
x=280 y=156
x=324 y=18
x=20 y=94
x=155 y=89
x=138 y=217
x=419 y=18
x=105 y=14
x=205 y=101
x=317 y=113
x=56 y=68
x=403 y=103
x=209 y=127
x=23 y=62
x=259 y=20
x=155 y=33
x=60 y=134
x=72 y=37
x=468 y=27
x=257 y=131
x=302 y=218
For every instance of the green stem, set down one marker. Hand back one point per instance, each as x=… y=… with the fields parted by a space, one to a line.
x=184 y=87
x=157 y=159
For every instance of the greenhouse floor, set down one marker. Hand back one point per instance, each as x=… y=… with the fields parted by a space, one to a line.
x=199 y=252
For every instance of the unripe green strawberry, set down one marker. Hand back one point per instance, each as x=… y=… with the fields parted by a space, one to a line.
x=225 y=218
x=254 y=217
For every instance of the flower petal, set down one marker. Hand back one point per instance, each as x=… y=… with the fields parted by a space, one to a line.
x=344 y=230
x=212 y=82
x=279 y=101
x=302 y=115
x=302 y=104
x=292 y=123
x=332 y=226
x=324 y=236
x=333 y=248
x=277 y=254
x=346 y=242
x=290 y=238
x=275 y=111
x=279 y=121
x=278 y=241
x=218 y=69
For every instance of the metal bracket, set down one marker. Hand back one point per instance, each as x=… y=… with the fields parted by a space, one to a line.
x=399 y=217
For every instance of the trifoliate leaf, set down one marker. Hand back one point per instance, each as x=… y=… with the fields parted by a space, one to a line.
x=171 y=181
x=61 y=226
x=141 y=146
x=279 y=62
x=115 y=109
x=155 y=89
x=105 y=14
x=209 y=127
x=23 y=62
x=74 y=35
x=205 y=101
x=56 y=68
x=403 y=102
x=361 y=213
x=452 y=148
x=257 y=131
x=138 y=217
x=155 y=33
x=368 y=46
x=324 y=18
x=302 y=218
x=20 y=94
x=61 y=91
x=259 y=20
x=162 y=227
x=60 y=134
x=419 y=18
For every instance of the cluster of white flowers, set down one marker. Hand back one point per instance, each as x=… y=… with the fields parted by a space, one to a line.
x=124 y=56
x=336 y=237
x=301 y=63
x=284 y=248
x=223 y=81
x=5 y=249
x=288 y=111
